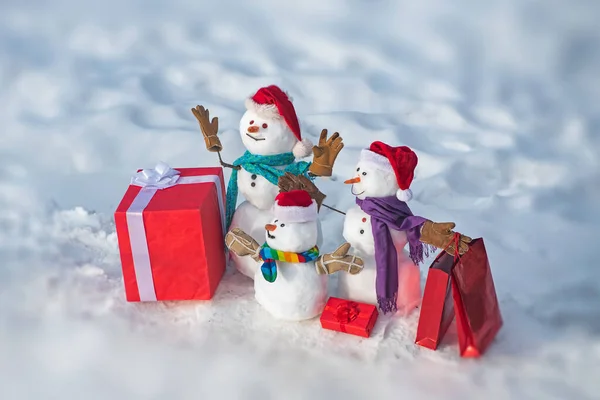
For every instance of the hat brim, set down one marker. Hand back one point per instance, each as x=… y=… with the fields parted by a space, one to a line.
x=296 y=214
x=266 y=111
x=376 y=160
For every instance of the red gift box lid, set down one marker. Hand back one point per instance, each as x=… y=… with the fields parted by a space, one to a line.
x=170 y=200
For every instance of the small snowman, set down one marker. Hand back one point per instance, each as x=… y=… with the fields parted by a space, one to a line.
x=286 y=282
x=380 y=226
x=271 y=134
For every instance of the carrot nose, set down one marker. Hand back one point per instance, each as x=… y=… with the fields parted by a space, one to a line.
x=253 y=129
x=353 y=180
x=270 y=227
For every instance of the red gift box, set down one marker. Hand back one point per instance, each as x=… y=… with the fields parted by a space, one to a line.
x=170 y=229
x=474 y=301
x=349 y=317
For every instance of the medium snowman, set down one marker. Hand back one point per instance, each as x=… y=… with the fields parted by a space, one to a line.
x=286 y=281
x=380 y=226
x=271 y=134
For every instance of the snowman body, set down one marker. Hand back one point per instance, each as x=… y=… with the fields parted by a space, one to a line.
x=257 y=191
x=261 y=136
x=375 y=181
x=298 y=293
x=251 y=220
x=362 y=286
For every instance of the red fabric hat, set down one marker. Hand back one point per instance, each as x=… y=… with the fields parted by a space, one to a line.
x=271 y=102
x=295 y=206
x=401 y=160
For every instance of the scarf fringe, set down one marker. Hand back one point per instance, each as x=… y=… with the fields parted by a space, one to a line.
x=420 y=252
x=388 y=305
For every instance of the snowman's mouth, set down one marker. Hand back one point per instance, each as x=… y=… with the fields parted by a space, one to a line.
x=356 y=194
x=255 y=138
x=270 y=236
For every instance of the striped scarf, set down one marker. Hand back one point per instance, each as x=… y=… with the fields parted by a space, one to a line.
x=263 y=166
x=270 y=255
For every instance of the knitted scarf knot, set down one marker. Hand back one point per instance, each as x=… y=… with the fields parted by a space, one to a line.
x=269 y=256
x=265 y=167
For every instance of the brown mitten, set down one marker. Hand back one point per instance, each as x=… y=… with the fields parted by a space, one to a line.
x=439 y=234
x=339 y=260
x=289 y=182
x=325 y=153
x=242 y=244
x=209 y=129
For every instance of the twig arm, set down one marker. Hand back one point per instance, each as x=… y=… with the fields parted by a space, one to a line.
x=333 y=209
x=227 y=165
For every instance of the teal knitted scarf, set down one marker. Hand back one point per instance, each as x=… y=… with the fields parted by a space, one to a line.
x=263 y=166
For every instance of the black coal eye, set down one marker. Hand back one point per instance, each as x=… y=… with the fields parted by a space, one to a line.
x=362 y=231
x=364 y=173
x=275 y=221
x=357 y=169
x=282 y=225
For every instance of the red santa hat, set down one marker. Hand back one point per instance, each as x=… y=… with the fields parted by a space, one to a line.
x=295 y=206
x=271 y=102
x=401 y=161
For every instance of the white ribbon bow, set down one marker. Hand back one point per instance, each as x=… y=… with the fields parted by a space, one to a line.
x=160 y=177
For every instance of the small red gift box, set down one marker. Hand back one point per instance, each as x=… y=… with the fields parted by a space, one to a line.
x=170 y=229
x=460 y=286
x=349 y=317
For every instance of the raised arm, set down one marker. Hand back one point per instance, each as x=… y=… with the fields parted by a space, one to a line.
x=440 y=235
x=209 y=131
x=339 y=260
x=242 y=244
x=325 y=153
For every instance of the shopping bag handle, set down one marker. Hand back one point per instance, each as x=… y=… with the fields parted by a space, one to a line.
x=456 y=240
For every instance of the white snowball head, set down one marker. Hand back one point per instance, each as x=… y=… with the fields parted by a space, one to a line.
x=371 y=181
x=291 y=236
x=264 y=135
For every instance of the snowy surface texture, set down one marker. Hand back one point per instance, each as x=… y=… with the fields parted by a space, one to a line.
x=500 y=99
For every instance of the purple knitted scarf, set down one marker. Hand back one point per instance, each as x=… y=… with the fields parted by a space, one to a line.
x=390 y=213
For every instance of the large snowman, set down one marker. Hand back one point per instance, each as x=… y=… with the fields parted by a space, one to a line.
x=380 y=226
x=271 y=134
x=286 y=281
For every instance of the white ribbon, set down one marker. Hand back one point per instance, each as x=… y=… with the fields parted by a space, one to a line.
x=152 y=180
x=161 y=177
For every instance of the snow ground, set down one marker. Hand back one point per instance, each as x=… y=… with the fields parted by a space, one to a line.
x=500 y=99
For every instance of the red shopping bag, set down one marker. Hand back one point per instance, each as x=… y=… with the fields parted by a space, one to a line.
x=437 y=307
x=475 y=304
x=478 y=316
